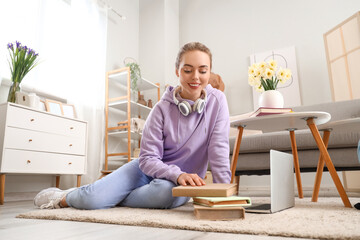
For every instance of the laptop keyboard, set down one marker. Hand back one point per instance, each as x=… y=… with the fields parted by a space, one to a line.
x=265 y=206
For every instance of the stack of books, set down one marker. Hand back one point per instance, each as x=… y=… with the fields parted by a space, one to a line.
x=263 y=111
x=220 y=208
x=215 y=201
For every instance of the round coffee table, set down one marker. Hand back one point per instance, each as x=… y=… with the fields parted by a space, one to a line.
x=290 y=122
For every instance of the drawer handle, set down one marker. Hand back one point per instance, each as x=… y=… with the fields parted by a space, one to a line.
x=71 y=128
x=32 y=119
x=30 y=140
x=28 y=161
x=70 y=163
x=70 y=145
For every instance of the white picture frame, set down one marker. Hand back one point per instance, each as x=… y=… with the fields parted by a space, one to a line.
x=54 y=107
x=69 y=110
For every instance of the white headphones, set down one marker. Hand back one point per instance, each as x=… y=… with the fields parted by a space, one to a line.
x=185 y=107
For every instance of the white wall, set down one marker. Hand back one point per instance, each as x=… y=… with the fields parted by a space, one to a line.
x=123 y=35
x=171 y=40
x=235 y=29
x=159 y=40
x=152 y=42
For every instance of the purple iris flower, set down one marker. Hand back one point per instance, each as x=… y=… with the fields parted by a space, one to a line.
x=18 y=44
x=10 y=46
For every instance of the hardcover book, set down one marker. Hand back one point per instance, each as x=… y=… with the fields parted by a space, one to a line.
x=208 y=190
x=231 y=201
x=266 y=111
x=226 y=213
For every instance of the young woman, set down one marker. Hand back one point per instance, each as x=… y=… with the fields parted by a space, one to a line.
x=187 y=130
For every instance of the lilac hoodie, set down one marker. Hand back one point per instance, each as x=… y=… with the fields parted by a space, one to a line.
x=173 y=144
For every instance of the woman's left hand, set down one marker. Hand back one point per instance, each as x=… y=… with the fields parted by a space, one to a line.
x=190 y=179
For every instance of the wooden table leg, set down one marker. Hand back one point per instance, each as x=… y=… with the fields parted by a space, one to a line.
x=236 y=153
x=78 y=180
x=2 y=188
x=320 y=168
x=57 y=184
x=296 y=163
x=328 y=162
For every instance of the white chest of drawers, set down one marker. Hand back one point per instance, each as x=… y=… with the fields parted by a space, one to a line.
x=37 y=142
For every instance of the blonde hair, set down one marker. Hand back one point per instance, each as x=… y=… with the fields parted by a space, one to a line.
x=192 y=46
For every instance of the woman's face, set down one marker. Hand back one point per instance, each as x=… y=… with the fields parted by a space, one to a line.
x=193 y=73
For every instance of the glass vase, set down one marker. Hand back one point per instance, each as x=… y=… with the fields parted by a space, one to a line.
x=15 y=87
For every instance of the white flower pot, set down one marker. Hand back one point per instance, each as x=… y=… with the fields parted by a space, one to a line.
x=271 y=99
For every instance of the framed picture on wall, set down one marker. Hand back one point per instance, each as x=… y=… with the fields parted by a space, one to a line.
x=69 y=110
x=54 y=107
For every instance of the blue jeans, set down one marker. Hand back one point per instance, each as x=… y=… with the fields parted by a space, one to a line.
x=128 y=186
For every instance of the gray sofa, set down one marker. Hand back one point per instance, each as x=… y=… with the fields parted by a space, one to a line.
x=254 y=150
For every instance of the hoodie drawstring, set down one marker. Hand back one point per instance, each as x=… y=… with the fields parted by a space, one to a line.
x=178 y=129
x=205 y=117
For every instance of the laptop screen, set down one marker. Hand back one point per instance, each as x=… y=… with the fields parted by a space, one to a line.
x=281 y=180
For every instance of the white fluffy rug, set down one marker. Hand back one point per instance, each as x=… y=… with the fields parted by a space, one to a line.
x=326 y=219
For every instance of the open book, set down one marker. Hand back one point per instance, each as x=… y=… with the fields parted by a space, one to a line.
x=231 y=201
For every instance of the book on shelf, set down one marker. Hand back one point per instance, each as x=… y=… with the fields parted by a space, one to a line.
x=225 y=213
x=262 y=111
x=232 y=201
x=208 y=190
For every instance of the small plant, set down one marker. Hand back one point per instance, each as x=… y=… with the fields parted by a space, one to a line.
x=135 y=75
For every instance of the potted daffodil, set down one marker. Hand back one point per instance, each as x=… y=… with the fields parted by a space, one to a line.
x=265 y=77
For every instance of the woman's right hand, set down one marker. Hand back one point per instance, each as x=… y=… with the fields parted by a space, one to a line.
x=190 y=179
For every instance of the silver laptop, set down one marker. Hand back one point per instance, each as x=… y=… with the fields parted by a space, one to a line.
x=281 y=183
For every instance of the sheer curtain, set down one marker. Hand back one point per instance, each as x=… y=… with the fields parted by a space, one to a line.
x=70 y=37
x=87 y=81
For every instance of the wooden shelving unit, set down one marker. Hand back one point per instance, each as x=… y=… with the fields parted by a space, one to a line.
x=123 y=103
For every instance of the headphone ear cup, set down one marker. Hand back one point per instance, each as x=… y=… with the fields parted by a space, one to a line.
x=184 y=108
x=199 y=105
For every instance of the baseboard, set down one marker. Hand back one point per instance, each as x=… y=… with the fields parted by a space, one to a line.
x=351 y=180
x=19 y=196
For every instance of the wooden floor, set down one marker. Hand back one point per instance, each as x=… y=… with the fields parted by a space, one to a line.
x=28 y=229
